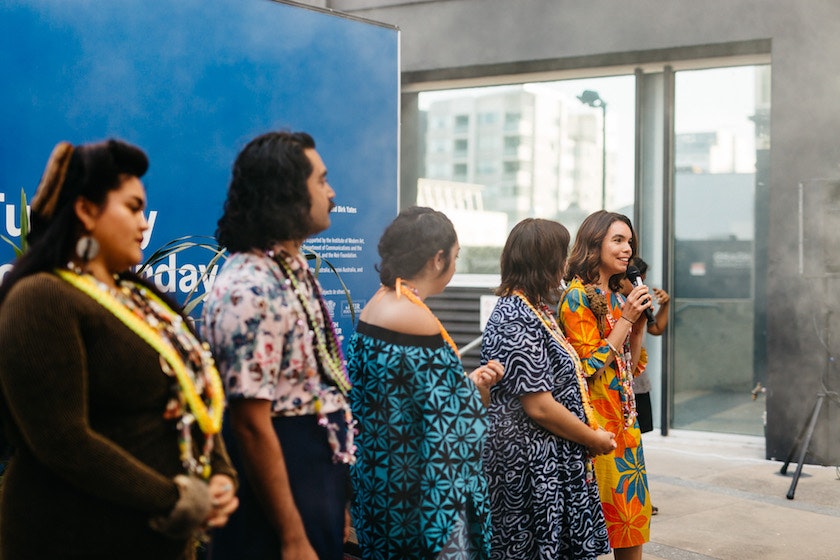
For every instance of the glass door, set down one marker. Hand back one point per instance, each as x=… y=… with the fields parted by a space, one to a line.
x=721 y=138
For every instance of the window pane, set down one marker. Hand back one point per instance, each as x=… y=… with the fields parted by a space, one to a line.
x=505 y=153
x=720 y=132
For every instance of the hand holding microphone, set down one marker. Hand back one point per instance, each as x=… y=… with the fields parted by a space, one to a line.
x=635 y=278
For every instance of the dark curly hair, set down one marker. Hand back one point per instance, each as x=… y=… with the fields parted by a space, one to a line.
x=585 y=258
x=90 y=171
x=414 y=237
x=268 y=199
x=640 y=264
x=533 y=259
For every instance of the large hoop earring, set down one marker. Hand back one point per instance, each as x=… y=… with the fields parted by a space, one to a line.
x=87 y=248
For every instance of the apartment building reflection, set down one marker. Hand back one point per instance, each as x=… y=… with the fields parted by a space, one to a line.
x=536 y=152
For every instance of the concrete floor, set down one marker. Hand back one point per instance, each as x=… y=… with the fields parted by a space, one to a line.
x=720 y=411
x=719 y=498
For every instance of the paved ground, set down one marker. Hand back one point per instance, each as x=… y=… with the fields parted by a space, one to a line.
x=719 y=499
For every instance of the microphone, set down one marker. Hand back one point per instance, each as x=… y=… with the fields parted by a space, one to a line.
x=635 y=278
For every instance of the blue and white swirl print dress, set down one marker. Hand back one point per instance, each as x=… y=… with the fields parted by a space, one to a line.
x=541 y=504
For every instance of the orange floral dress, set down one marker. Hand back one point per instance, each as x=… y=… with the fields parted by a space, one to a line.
x=621 y=476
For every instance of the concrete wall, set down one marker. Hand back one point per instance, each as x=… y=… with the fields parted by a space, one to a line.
x=450 y=39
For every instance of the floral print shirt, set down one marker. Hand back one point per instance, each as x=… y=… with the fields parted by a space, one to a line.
x=258 y=331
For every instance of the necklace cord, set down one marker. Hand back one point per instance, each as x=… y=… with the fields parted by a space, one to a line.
x=331 y=363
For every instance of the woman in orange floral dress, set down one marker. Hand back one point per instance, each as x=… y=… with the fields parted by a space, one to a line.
x=607 y=330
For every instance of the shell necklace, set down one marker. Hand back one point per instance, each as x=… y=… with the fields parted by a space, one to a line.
x=330 y=362
x=624 y=372
x=331 y=358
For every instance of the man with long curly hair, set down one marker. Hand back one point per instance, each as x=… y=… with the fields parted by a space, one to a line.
x=289 y=426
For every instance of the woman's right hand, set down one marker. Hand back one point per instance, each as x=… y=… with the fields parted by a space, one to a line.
x=487 y=375
x=603 y=442
x=636 y=302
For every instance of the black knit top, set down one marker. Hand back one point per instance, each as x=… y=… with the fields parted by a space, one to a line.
x=83 y=403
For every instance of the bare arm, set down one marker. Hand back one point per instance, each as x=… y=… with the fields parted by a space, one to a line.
x=265 y=468
x=661 y=317
x=557 y=419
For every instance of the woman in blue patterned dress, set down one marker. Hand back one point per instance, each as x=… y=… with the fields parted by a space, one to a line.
x=543 y=499
x=419 y=489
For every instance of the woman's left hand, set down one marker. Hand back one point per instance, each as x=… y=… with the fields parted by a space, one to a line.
x=487 y=375
x=224 y=500
x=662 y=296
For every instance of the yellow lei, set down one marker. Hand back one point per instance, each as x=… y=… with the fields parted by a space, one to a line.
x=554 y=330
x=209 y=419
x=403 y=289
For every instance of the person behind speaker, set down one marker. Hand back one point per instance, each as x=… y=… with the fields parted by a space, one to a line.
x=641 y=383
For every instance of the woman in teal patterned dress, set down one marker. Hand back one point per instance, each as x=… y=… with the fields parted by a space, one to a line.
x=419 y=489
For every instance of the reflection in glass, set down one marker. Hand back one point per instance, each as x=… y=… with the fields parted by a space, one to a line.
x=496 y=155
x=720 y=135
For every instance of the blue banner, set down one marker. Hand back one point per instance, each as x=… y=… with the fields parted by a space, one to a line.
x=191 y=82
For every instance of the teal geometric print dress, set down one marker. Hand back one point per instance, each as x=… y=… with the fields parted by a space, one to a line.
x=418 y=482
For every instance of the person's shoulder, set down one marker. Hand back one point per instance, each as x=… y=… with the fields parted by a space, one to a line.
x=246 y=274
x=576 y=291
x=576 y=286
x=42 y=279
x=38 y=286
x=415 y=321
x=574 y=298
x=43 y=295
x=246 y=265
x=510 y=312
x=402 y=316
x=510 y=305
